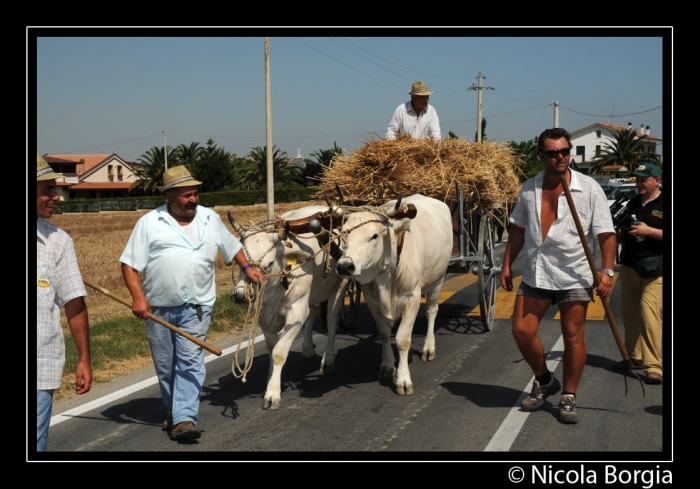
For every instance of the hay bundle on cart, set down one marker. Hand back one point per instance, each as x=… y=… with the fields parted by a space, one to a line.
x=384 y=169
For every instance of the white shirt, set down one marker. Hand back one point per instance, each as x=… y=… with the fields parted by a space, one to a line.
x=405 y=120
x=559 y=262
x=175 y=270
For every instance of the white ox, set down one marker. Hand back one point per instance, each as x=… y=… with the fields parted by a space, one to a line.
x=290 y=306
x=394 y=289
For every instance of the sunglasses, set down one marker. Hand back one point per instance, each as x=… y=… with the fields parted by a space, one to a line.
x=552 y=153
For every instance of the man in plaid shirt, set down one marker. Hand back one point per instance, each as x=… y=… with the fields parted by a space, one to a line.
x=557 y=270
x=58 y=284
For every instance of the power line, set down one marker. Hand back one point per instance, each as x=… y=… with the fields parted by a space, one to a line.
x=105 y=145
x=613 y=115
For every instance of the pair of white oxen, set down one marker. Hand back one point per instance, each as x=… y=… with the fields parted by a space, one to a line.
x=369 y=256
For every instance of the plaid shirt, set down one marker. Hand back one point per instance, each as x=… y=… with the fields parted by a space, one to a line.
x=559 y=262
x=58 y=281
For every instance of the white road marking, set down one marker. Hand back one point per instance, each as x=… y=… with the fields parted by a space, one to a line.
x=511 y=426
x=71 y=413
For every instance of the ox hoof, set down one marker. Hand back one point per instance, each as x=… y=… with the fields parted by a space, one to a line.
x=428 y=355
x=270 y=404
x=404 y=389
x=385 y=372
x=327 y=368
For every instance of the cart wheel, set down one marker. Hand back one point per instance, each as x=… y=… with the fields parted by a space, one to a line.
x=351 y=304
x=487 y=270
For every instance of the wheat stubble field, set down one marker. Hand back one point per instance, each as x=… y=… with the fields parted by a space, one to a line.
x=99 y=240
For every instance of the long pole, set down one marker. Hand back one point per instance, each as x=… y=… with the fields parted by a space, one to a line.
x=268 y=142
x=165 y=150
x=171 y=327
x=594 y=270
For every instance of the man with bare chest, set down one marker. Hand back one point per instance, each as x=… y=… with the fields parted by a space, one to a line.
x=556 y=270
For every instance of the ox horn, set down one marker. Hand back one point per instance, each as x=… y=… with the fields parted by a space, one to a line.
x=340 y=194
x=236 y=227
x=393 y=211
x=284 y=234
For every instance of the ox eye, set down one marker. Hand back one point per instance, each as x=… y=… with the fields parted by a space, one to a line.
x=374 y=237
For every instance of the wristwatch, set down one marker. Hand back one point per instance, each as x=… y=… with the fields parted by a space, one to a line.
x=607 y=272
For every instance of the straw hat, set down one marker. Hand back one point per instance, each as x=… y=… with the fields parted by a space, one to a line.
x=177 y=176
x=420 y=88
x=44 y=171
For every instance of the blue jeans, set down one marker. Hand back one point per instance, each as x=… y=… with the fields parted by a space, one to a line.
x=44 y=401
x=179 y=362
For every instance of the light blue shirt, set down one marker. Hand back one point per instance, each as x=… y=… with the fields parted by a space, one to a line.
x=175 y=272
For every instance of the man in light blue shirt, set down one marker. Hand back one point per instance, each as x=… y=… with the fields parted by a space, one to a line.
x=175 y=247
x=416 y=117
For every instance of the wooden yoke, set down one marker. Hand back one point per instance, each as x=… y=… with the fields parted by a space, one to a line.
x=301 y=226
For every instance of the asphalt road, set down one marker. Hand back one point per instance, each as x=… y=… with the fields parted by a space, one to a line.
x=464 y=406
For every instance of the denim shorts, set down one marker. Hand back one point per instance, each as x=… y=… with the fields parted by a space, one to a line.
x=557 y=296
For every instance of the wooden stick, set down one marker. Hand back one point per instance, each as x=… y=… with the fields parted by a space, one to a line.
x=596 y=279
x=199 y=342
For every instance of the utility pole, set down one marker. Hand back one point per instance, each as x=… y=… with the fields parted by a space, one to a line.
x=556 y=114
x=165 y=150
x=478 y=114
x=268 y=142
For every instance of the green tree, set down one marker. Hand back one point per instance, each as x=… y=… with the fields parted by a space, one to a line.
x=252 y=171
x=527 y=152
x=151 y=175
x=324 y=157
x=213 y=166
x=189 y=155
x=451 y=135
x=483 y=131
x=625 y=149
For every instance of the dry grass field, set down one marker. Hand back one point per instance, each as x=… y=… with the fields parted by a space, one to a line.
x=100 y=240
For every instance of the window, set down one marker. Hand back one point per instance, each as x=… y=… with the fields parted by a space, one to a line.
x=119 y=173
x=597 y=133
x=581 y=151
x=110 y=175
x=597 y=149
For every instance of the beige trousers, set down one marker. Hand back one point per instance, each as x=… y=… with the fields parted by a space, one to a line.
x=642 y=311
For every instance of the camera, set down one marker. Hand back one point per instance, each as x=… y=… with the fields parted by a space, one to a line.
x=619 y=211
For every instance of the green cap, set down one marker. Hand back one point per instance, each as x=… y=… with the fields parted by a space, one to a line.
x=647 y=170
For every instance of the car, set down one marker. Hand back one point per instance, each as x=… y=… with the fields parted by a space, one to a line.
x=619 y=180
x=608 y=187
x=628 y=190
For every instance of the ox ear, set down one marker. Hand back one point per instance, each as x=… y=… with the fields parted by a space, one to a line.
x=295 y=257
x=401 y=226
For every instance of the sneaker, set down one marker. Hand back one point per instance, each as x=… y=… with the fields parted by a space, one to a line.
x=168 y=423
x=185 y=431
x=567 y=410
x=536 y=398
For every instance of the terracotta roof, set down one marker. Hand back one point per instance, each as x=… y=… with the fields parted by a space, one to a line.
x=91 y=160
x=101 y=185
x=614 y=168
x=56 y=159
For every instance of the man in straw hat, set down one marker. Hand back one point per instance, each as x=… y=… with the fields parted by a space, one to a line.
x=557 y=270
x=416 y=117
x=175 y=248
x=58 y=284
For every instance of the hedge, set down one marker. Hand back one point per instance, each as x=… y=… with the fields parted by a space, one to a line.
x=210 y=199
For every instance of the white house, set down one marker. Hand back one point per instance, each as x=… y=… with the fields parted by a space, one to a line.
x=590 y=140
x=90 y=176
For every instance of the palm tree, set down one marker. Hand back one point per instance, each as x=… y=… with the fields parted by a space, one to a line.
x=151 y=175
x=324 y=157
x=189 y=155
x=626 y=149
x=527 y=151
x=252 y=172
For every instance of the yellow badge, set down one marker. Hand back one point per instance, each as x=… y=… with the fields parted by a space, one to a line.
x=43 y=281
x=291 y=261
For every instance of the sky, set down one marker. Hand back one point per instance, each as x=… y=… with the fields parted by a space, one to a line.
x=117 y=90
